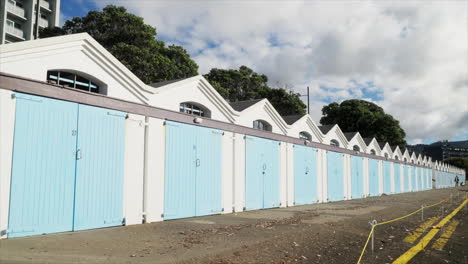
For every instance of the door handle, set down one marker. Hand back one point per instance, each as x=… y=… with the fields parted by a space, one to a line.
x=78 y=154
x=307 y=170
x=197 y=162
x=264 y=167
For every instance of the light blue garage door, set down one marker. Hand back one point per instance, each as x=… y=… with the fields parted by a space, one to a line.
x=99 y=168
x=261 y=173
x=335 y=182
x=43 y=172
x=413 y=178
x=373 y=177
x=407 y=178
x=193 y=171
x=357 y=177
x=396 y=176
x=387 y=183
x=305 y=175
x=67 y=167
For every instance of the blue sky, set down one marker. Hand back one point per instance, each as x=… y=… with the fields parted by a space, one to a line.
x=372 y=50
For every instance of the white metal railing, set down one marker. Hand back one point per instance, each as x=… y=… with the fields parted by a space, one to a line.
x=45 y=4
x=19 y=11
x=15 y=31
x=43 y=22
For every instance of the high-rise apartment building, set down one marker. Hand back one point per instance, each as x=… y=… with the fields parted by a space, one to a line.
x=19 y=20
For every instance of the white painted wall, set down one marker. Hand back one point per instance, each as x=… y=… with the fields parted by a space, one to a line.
x=228 y=172
x=290 y=174
x=7 y=124
x=154 y=178
x=134 y=169
x=308 y=125
x=239 y=173
x=283 y=173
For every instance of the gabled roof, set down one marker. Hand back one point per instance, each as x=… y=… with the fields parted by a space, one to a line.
x=354 y=138
x=260 y=109
x=385 y=148
x=242 y=105
x=373 y=144
x=397 y=152
x=307 y=124
x=334 y=132
x=291 y=119
x=326 y=128
x=74 y=45
x=164 y=83
x=170 y=93
x=350 y=135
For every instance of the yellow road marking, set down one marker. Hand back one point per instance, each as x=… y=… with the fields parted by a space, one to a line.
x=420 y=230
x=408 y=255
x=443 y=239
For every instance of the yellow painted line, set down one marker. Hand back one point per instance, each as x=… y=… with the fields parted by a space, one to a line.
x=408 y=255
x=443 y=239
x=420 y=230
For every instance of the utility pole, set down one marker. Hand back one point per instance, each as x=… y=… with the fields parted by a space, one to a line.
x=308 y=99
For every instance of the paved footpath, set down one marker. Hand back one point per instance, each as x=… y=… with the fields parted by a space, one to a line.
x=321 y=233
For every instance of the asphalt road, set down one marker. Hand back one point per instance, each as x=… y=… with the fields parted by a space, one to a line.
x=322 y=233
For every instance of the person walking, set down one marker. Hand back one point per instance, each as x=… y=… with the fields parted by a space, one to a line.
x=456 y=180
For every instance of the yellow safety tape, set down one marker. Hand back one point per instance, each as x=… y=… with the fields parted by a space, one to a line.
x=408 y=255
x=420 y=230
x=390 y=221
x=439 y=244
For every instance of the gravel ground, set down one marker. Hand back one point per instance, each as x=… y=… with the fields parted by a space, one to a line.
x=322 y=233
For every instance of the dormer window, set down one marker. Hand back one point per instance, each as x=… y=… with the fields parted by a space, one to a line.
x=396 y=157
x=194 y=109
x=373 y=152
x=72 y=80
x=262 y=125
x=386 y=155
x=356 y=148
x=405 y=159
x=305 y=136
x=334 y=142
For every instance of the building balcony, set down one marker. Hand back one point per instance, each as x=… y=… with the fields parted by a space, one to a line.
x=16 y=10
x=45 y=5
x=44 y=23
x=15 y=32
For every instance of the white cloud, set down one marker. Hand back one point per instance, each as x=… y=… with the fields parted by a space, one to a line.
x=415 y=53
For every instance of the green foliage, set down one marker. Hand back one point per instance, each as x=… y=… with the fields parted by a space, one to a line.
x=133 y=43
x=245 y=84
x=367 y=118
x=458 y=162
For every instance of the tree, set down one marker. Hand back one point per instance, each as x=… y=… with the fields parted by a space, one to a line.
x=132 y=42
x=460 y=163
x=245 y=84
x=364 y=117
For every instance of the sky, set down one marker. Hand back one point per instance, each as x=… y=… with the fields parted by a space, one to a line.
x=409 y=57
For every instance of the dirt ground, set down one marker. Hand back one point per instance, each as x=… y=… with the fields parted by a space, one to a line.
x=322 y=233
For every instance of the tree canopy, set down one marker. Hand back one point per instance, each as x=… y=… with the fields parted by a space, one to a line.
x=245 y=84
x=364 y=117
x=132 y=42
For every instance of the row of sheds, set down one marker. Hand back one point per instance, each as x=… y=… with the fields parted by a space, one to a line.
x=73 y=161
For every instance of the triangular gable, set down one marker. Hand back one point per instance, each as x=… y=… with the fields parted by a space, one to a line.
x=193 y=90
x=78 y=53
x=357 y=140
x=263 y=110
x=419 y=159
x=386 y=150
x=406 y=156
x=307 y=124
x=413 y=158
x=424 y=161
x=397 y=153
x=335 y=133
x=374 y=145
